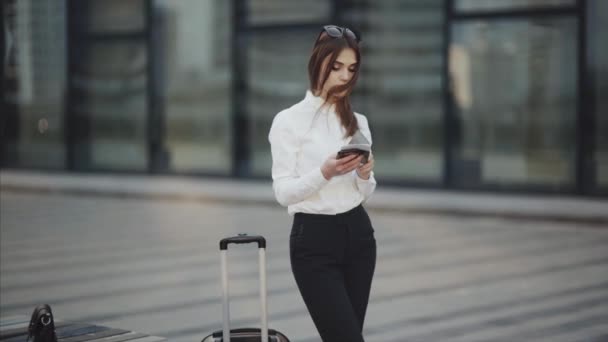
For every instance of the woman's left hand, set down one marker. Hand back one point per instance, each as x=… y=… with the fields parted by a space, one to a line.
x=365 y=170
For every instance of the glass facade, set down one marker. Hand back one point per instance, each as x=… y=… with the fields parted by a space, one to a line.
x=598 y=56
x=400 y=89
x=277 y=79
x=485 y=5
x=465 y=94
x=195 y=76
x=109 y=84
x=108 y=107
x=275 y=12
x=515 y=101
x=111 y=16
x=276 y=66
x=35 y=70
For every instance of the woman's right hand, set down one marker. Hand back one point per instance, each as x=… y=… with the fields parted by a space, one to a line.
x=335 y=167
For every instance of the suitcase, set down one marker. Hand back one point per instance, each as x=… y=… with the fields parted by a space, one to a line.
x=244 y=334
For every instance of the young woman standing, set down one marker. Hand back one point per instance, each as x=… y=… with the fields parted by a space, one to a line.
x=332 y=243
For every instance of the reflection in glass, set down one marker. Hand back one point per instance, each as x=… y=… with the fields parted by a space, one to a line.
x=514 y=91
x=400 y=88
x=278 y=78
x=109 y=95
x=264 y=12
x=35 y=67
x=598 y=31
x=109 y=16
x=194 y=50
x=490 y=5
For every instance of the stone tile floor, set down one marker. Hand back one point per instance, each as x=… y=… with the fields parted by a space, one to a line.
x=152 y=265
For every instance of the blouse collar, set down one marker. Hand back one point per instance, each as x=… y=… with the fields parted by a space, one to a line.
x=317 y=102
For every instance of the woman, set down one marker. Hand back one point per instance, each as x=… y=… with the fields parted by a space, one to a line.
x=332 y=244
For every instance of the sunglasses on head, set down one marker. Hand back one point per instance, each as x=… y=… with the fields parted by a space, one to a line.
x=339 y=32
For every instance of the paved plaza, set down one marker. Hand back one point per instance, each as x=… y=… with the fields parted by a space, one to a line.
x=152 y=265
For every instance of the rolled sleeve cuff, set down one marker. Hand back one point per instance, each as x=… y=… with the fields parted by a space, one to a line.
x=315 y=179
x=366 y=186
x=360 y=180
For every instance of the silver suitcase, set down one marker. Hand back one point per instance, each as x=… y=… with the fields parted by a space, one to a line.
x=244 y=334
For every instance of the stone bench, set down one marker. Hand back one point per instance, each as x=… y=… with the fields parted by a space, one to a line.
x=14 y=329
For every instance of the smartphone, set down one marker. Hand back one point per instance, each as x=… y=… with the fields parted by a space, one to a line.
x=349 y=151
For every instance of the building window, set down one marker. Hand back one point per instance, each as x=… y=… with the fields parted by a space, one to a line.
x=109 y=85
x=35 y=70
x=598 y=57
x=193 y=52
x=400 y=87
x=276 y=12
x=497 y=5
x=276 y=64
x=277 y=79
x=514 y=86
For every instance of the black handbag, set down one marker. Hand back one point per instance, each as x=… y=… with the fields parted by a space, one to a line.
x=42 y=325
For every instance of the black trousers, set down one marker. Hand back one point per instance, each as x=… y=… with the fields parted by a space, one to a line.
x=333 y=258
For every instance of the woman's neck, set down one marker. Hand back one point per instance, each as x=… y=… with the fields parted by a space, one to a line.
x=323 y=95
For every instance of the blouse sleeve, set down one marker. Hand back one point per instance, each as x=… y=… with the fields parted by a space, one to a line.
x=289 y=187
x=365 y=186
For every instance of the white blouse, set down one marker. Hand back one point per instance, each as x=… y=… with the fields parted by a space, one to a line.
x=302 y=137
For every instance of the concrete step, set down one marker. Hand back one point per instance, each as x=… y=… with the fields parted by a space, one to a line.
x=242 y=192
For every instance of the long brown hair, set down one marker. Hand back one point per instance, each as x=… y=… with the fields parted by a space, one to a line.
x=329 y=46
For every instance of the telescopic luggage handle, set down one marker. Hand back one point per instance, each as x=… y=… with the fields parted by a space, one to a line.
x=240 y=239
x=243 y=238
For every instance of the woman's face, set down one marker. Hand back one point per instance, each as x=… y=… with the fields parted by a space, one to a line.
x=342 y=70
